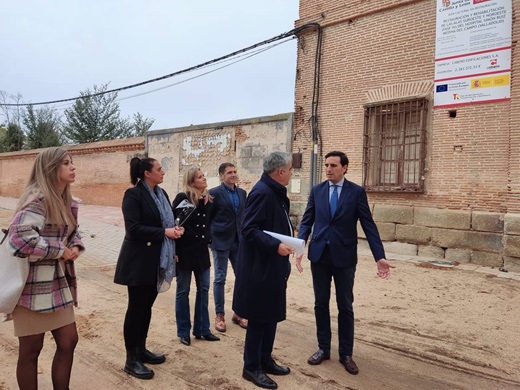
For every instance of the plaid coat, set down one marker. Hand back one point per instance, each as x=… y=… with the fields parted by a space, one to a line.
x=51 y=284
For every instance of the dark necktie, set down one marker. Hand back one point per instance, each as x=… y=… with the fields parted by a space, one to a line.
x=334 y=200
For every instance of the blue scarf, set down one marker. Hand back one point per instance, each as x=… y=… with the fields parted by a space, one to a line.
x=166 y=271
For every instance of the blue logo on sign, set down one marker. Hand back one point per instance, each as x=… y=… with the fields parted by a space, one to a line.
x=441 y=88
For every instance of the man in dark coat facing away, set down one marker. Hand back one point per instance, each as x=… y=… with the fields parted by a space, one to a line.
x=263 y=269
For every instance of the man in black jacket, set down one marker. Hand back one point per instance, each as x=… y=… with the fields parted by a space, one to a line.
x=263 y=269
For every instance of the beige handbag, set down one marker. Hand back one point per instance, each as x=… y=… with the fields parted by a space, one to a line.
x=13 y=276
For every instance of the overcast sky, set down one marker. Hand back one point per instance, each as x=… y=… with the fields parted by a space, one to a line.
x=53 y=49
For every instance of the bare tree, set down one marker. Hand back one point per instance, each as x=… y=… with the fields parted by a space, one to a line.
x=12 y=114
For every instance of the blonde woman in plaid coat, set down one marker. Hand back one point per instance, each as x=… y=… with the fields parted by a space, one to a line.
x=44 y=230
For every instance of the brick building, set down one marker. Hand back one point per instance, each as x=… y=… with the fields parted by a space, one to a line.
x=454 y=192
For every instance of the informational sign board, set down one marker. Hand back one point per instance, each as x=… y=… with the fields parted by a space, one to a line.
x=472 y=52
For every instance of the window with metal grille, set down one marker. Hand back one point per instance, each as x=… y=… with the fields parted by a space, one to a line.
x=394 y=146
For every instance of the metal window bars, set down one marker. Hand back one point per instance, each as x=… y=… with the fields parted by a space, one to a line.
x=394 y=146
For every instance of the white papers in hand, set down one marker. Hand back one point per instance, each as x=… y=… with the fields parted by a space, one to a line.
x=297 y=243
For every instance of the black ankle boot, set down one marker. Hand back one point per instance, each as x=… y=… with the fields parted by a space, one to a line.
x=135 y=367
x=149 y=357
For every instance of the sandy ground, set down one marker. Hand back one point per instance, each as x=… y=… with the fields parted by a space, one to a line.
x=425 y=328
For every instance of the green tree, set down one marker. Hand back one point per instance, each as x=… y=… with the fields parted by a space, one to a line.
x=12 y=139
x=142 y=124
x=42 y=127
x=96 y=118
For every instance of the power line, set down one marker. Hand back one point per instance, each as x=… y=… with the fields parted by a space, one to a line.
x=291 y=33
x=241 y=57
x=205 y=73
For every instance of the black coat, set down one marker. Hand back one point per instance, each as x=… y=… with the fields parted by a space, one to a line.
x=261 y=273
x=192 y=247
x=140 y=253
x=225 y=223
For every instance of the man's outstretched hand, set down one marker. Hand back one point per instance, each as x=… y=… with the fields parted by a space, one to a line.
x=383 y=268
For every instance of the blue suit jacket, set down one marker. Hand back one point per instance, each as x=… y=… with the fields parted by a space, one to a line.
x=340 y=230
x=225 y=223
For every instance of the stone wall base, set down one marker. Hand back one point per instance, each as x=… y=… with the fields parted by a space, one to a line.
x=465 y=236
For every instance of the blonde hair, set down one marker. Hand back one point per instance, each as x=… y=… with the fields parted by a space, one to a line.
x=45 y=182
x=193 y=193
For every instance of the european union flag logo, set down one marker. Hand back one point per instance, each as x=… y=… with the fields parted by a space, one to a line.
x=441 y=88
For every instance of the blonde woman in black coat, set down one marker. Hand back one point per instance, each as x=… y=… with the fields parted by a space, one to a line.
x=193 y=257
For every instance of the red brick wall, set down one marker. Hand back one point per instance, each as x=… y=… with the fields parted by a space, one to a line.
x=371 y=45
x=102 y=170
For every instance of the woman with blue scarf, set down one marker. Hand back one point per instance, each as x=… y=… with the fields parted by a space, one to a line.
x=146 y=262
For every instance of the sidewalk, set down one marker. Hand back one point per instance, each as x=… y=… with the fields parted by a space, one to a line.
x=101 y=228
x=105 y=214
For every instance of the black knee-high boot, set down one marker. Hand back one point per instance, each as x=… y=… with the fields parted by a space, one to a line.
x=150 y=357
x=134 y=365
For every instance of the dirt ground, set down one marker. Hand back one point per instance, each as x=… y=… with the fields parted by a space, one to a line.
x=424 y=328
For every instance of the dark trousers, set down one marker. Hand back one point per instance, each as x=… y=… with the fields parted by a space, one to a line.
x=259 y=344
x=138 y=314
x=322 y=273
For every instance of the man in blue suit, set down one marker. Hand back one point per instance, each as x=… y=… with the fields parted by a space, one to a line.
x=225 y=222
x=332 y=212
